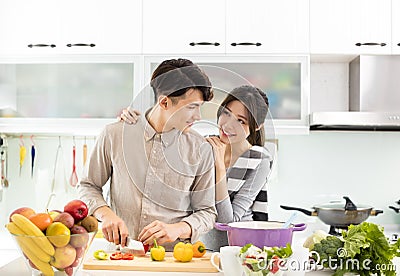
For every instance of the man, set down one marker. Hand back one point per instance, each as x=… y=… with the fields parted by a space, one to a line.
x=161 y=172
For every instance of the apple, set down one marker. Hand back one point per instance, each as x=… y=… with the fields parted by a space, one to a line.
x=58 y=234
x=69 y=270
x=25 y=211
x=79 y=236
x=66 y=219
x=77 y=208
x=79 y=252
x=63 y=257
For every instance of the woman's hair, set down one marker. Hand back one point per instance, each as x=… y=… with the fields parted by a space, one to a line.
x=174 y=77
x=256 y=103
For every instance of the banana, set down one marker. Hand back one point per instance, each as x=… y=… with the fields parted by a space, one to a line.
x=32 y=230
x=27 y=242
x=44 y=267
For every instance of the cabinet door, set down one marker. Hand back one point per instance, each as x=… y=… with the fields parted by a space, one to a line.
x=122 y=28
x=396 y=26
x=101 y=26
x=81 y=26
x=29 y=27
x=183 y=26
x=350 y=26
x=267 y=26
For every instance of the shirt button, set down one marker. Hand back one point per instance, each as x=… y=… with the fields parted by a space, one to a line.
x=145 y=217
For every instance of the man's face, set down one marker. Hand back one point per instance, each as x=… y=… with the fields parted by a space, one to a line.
x=186 y=111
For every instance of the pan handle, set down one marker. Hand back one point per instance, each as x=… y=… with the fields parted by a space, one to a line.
x=307 y=212
x=299 y=227
x=376 y=212
x=395 y=209
x=222 y=226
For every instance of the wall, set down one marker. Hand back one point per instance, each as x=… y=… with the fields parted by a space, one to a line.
x=311 y=169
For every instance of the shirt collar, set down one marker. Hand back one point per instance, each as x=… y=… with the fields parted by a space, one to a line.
x=167 y=138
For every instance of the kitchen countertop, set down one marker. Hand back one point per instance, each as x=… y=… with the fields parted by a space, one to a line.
x=12 y=263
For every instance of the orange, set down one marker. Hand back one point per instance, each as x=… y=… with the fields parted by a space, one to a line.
x=41 y=220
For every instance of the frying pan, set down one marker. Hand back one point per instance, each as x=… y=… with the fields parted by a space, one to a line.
x=396 y=209
x=339 y=214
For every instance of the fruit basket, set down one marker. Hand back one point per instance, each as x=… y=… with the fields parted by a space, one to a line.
x=43 y=258
x=53 y=243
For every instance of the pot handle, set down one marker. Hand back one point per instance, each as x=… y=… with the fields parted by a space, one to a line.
x=376 y=212
x=299 y=227
x=222 y=226
x=307 y=212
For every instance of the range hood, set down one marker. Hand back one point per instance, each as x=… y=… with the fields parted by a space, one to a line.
x=374 y=97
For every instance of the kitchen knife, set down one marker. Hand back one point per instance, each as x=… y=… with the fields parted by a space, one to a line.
x=132 y=246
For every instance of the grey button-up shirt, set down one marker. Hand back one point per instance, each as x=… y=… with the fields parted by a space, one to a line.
x=165 y=176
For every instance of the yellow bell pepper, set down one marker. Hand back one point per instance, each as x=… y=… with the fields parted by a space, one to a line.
x=183 y=252
x=157 y=252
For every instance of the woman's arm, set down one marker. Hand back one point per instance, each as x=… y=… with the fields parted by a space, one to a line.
x=244 y=198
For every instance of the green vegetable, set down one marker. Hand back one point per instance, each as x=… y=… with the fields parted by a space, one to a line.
x=100 y=255
x=364 y=245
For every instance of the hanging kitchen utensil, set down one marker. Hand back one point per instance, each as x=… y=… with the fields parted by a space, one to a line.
x=335 y=214
x=396 y=209
x=22 y=154
x=73 y=180
x=33 y=154
x=4 y=180
x=59 y=157
x=84 y=153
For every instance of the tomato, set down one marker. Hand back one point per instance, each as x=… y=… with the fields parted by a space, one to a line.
x=127 y=256
x=116 y=256
x=274 y=264
x=41 y=220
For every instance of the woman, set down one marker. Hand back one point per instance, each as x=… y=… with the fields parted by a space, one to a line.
x=242 y=163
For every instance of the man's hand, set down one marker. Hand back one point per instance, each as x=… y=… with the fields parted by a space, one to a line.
x=164 y=232
x=113 y=227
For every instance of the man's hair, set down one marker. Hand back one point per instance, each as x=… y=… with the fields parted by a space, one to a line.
x=174 y=77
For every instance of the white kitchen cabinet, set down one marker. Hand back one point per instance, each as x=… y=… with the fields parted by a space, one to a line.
x=29 y=26
x=183 y=26
x=350 y=26
x=396 y=27
x=70 y=27
x=267 y=26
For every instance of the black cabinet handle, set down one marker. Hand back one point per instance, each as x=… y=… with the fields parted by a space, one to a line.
x=371 y=44
x=204 y=44
x=246 y=44
x=398 y=44
x=41 y=45
x=81 y=45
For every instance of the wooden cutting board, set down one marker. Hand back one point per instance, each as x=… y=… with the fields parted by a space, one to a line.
x=146 y=264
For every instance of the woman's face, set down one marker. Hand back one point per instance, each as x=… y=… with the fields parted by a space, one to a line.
x=233 y=123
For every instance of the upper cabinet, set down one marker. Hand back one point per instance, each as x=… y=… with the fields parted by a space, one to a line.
x=182 y=26
x=70 y=27
x=350 y=26
x=396 y=26
x=267 y=26
x=256 y=26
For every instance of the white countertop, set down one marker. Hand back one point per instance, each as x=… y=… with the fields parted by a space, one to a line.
x=12 y=263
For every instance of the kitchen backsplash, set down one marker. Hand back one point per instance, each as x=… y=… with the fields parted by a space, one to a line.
x=311 y=169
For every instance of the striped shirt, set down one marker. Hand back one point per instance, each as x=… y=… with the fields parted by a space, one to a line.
x=247 y=187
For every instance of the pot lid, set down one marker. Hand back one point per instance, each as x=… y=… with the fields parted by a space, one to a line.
x=340 y=206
